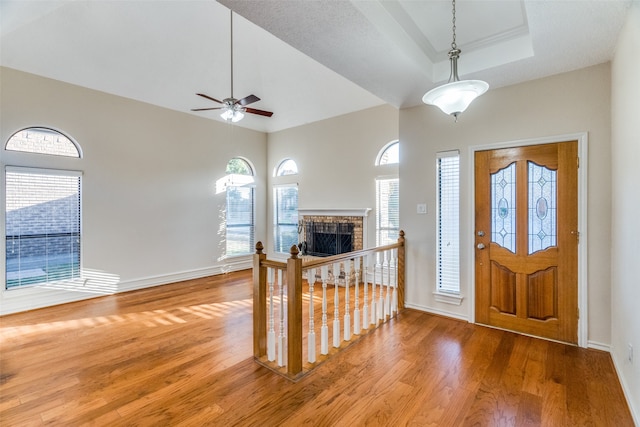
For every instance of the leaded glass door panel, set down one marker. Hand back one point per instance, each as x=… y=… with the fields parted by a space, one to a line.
x=526 y=239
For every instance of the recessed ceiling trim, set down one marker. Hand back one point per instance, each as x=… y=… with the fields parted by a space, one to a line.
x=489 y=56
x=391 y=20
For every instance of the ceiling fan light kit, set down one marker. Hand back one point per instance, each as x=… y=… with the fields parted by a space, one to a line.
x=455 y=96
x=232 y=115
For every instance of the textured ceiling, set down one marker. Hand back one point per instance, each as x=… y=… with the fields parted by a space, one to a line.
x=308 y=60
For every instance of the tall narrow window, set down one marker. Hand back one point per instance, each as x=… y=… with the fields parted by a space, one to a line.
x=388 y=195
x=42 y=213
x=240 y=226
x=387 y=208
x=285 y=217
x=448 y=222
x=285 y=202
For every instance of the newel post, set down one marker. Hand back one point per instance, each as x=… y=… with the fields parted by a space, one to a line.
x=401 y=271
x=259 y=302
x=294 y=309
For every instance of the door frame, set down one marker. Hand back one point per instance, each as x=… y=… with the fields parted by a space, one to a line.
x=583 y=142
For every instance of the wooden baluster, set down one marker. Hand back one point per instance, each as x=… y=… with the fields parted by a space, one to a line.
x=324 y=330
x=365 y=304
x=282 y=337
x=260 y=314
x=394 y=296
x=387 y=295
x=271 y=335
x=347 y=314
x=381 y=300
x=356 y=310
x=311 y=339
x=294 y=313
x=374 y=312
x=336 y=305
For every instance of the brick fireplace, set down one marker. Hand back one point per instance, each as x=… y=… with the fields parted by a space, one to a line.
x=332 y=231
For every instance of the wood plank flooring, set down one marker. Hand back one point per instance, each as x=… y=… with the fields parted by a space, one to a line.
x=181 y=355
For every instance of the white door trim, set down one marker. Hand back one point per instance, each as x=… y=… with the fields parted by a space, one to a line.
x=583 y=142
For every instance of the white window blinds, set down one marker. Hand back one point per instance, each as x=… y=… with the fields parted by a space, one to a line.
x=240 y=220
x=387 y=210
x=42 y=225
x=448 y=222
x=285 y=217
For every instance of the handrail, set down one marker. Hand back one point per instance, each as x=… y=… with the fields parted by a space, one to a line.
x=312 y=263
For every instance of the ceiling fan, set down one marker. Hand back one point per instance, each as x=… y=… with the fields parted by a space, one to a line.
x=234 y=109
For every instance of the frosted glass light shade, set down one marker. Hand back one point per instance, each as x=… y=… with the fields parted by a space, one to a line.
x=232 y=115
x=453 y=98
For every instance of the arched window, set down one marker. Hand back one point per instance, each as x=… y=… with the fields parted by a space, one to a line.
x=42 y=212
x=42 y=141
x=239 y=166
x=240 y=227
x=388 y=196
x=390 y=154
x=287 y=167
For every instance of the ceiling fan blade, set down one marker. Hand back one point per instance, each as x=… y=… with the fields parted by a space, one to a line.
x=206 y=109
x=248 y=100
x=209 y=98
x=259 y=112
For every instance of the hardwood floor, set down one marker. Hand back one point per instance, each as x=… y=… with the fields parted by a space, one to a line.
x=181 y=355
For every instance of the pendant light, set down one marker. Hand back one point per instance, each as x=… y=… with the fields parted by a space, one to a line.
x=455 y=96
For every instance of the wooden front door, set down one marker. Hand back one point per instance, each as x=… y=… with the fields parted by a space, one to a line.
x=526 y=236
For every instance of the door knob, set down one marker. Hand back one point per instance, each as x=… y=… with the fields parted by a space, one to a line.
x=481 y=233
x=480 y=246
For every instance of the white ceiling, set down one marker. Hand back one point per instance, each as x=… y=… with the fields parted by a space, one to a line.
x=307 y=60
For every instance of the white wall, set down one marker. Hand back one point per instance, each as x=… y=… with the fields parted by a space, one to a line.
x=151 y=214
x=563 y=104
x=625 y=209
x=335 y=160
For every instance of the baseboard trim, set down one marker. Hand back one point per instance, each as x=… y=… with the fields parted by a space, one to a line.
x=437 y=311
x=599 y=346
x=635 y=412
x=19 y=300
x=146 y=282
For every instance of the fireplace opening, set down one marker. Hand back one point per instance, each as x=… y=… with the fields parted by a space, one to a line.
x=326 y=239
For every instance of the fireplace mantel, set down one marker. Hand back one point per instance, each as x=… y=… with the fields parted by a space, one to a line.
x=363 y=212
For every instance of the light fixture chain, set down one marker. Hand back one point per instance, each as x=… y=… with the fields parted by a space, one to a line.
x=453 y=21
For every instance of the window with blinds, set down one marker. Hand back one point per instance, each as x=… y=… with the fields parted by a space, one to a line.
x=387 y=210
x=42 y=226
x=285 y=217
x=240 y=217
x=448 y=222
x=240 y=220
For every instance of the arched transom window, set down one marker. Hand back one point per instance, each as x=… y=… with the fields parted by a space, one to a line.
x=287 y=167
x=42 y=141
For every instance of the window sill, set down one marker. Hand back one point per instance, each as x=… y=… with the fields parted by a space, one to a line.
x=453 y=299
